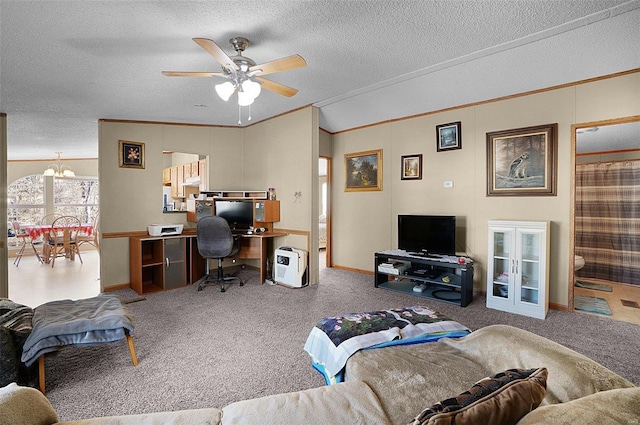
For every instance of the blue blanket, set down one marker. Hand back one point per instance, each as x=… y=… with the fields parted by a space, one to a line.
x=89 y=321
x=334 y=339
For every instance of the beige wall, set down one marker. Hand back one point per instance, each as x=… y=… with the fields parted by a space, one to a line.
x=4 y=271
x=364 y=222
x=19 y=169
x=276 y=152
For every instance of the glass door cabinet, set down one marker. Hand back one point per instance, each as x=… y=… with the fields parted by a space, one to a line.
x=517 y=269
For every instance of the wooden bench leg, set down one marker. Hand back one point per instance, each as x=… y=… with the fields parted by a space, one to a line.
x=132 y=350
x=41 y=373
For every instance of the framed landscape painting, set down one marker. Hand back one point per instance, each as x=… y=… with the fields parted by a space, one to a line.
x=130 y=154
x=522 y=162
x=363 y=171
x=449 y=136
x=411 y=167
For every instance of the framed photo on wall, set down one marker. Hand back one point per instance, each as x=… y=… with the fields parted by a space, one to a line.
x=411 y=167
x=449 y=136
x=363 y=171
x=130 y=154
x=522 y=162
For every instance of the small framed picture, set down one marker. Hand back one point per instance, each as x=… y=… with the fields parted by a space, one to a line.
x=130 y=154
x=449 y=136
x=412 y=167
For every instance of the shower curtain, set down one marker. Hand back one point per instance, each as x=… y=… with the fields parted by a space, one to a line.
x=608 y=221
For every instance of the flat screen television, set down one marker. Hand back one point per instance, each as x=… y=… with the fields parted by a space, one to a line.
x=239 y=214
x=430 y=234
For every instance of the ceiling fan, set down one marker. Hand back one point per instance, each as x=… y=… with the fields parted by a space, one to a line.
x=242 y=73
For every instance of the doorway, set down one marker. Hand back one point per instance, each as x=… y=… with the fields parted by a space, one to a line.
x=606 y=219
x=324 y=220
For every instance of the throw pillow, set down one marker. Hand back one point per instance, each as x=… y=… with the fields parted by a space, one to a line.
x=501 y=399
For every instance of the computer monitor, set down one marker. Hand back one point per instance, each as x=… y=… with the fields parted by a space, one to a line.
x=239 y=214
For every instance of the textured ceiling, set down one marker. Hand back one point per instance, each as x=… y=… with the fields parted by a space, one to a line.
x=66 y=64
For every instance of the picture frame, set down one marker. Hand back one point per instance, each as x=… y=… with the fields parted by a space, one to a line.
x=363 y=171
x=130 y=154
x=411 y=167
x=449 y=136
x=523 y=161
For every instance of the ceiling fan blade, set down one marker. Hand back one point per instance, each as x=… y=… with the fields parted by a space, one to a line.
x=278 y=65
x=215 y=51
x=192 y=74
x=276 y=87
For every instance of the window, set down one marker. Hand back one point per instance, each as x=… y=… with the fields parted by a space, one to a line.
x=27 y=199
x=77 y=197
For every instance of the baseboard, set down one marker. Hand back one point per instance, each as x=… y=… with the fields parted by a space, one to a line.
x=351 y=269
x=116 y=287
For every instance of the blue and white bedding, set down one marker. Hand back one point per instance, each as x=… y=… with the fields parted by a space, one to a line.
x=334 y=339
x=89 y=321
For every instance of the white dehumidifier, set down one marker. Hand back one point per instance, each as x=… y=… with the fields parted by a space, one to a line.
x=291 y=267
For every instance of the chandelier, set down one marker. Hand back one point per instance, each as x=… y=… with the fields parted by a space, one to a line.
x=58 y=169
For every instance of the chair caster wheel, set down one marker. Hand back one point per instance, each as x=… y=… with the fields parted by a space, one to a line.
x=199 y=288
x=241 y=283
x=223 y=290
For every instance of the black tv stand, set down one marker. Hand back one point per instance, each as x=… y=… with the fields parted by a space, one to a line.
x=444 y=281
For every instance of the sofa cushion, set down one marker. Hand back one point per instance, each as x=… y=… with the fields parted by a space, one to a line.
x=501 y=399
x=571 y=375
x=620 y=406
x=344 y=403
x=25 y=406
x=208 y=416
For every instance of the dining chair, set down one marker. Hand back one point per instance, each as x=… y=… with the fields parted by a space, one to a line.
x=93 y=238
x=61 y=240
x=49 y=218
x=21 y=235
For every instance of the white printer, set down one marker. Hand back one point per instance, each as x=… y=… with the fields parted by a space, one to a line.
x=165 y=229
x=290 y=267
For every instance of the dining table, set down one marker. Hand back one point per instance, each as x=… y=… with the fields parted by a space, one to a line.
x=36 y=230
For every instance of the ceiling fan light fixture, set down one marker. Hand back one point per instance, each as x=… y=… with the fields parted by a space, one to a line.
x=225 y=90
x=251 y=88
x=244 y=99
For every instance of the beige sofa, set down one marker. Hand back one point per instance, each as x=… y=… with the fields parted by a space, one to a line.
x=392 y=385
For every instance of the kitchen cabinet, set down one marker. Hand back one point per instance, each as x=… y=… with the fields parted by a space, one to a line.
x=518 y=267
x=166 y=176
x=177 y=180
x=203 y=173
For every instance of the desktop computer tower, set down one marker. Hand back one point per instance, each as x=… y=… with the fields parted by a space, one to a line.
x=290 y=267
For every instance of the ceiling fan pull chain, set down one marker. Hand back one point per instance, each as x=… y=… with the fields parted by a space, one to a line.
x=239 y=115
x=249 y=119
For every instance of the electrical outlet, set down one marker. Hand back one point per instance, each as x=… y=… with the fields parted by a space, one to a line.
x=448 y=184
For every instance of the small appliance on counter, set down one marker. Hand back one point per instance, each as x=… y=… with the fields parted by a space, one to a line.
x=165 y=229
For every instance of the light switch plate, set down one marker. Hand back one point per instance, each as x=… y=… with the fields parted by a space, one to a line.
x=448 y=184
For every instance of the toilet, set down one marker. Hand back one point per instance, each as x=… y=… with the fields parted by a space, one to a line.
x=578 y=262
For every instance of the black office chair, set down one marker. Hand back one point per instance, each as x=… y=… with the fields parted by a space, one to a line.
x=216 y=241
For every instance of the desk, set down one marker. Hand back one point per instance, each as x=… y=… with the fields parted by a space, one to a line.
x=165 y=262
x=255 y=247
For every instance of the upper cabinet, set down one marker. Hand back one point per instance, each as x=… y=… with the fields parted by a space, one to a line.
x=184 y=175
